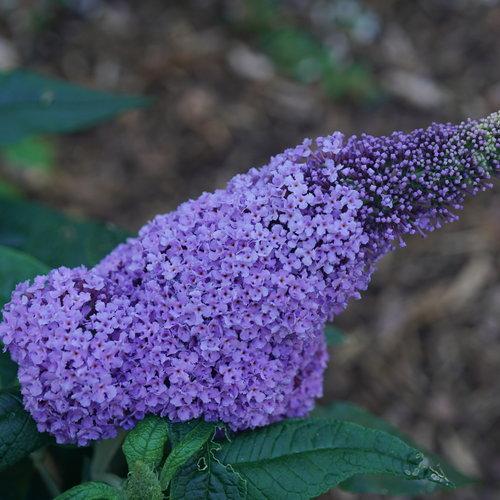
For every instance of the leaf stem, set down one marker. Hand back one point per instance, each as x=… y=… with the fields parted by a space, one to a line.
x=104 y=452
x=46 y=467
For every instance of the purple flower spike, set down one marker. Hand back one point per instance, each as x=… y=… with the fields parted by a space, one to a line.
x=217 y=310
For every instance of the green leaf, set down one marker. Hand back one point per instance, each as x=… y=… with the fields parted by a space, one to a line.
x=334 y=336
x=383 y=484
x=93 y=490
x=53 y=238
x=9 y=190
x=32 y=153
x=191 y=444
x=143 y=483
x=8 y=372
x=146 y=442
x=344 y=410
x=32 y=104
x=205 y=477
x=15 y=267
x=297 y=53
x=15 y=481
x=177 y=431
x=18 y=433
x=299 y=459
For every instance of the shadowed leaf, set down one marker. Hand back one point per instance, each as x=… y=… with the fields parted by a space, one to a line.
x=18 y=433
x=31 y=104
x=384 y=484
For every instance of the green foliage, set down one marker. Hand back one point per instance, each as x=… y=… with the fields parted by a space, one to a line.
x=9 y=190
x=15 y=480
x=53 y=238
x=177 y=431
x=15 y=267
x=8 y=372
x=18 y=433
x=300 y=459
x=143 y=483
x=33 y=237
x=93 y=490
x=204 y=476
x=190 y=444
x=31 y=153
x=384 y=484
x=300 y=55
x=146 y=442
x=31 y=104
x=297 y=53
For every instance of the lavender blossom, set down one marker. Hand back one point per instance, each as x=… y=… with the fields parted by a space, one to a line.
x=217 y=309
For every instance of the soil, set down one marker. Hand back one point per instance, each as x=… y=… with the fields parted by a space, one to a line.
x=423 y=348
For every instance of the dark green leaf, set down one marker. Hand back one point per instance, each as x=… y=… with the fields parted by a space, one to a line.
x=343 y=410
x=31 y=104
x=290 y=47
x=299 y=459
x=15 y=481
x=383 y=483
x=177 y=431
x=333 y=335
x=205 y=477
x=91 y=491
x=8 y=371
x=18 y=433
x=143 y=483
x=31 y=153
x=53 y=238
x=191 y=444
x=9 y=190
x=146 y=442
x=15 y=267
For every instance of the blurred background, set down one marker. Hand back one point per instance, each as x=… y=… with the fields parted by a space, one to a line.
x=238 y=80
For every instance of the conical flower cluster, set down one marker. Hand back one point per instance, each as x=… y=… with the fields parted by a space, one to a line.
x=217 y=309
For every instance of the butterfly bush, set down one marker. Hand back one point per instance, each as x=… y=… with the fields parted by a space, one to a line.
x=217 y=309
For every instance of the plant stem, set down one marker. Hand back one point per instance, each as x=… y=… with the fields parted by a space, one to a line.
x=45 y=466
x=104 y=452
